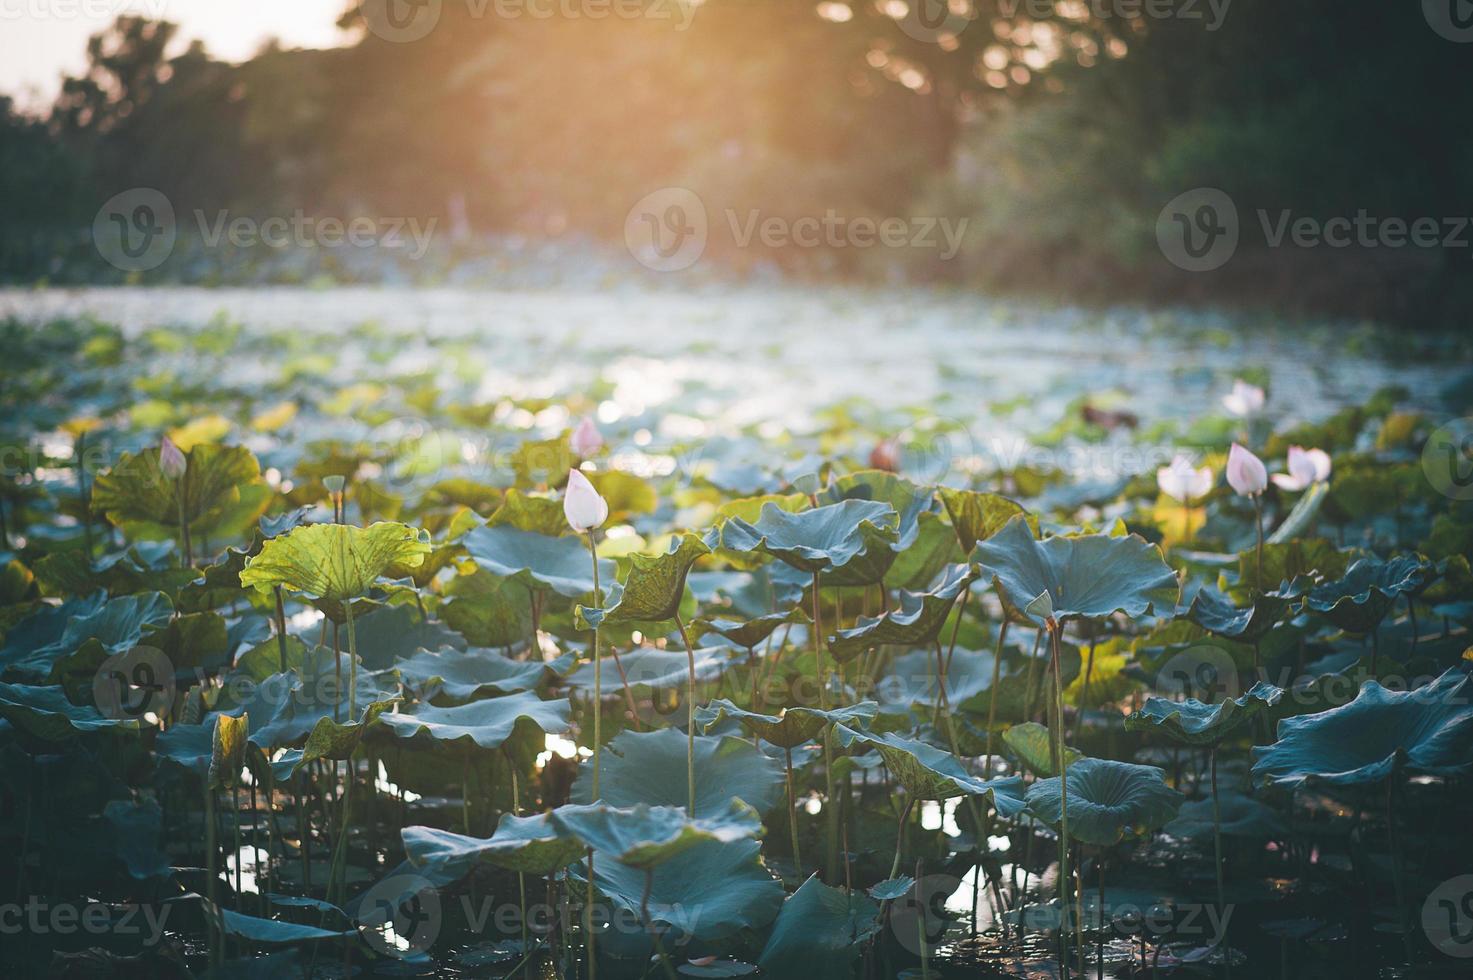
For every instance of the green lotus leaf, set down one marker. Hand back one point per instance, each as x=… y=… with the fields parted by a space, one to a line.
x=45 y=713
x=915 y=622
x=653 y=669
x=1215 y=612
x=266 y=932
x=286 y=708
x=1360 y=600
x=652 y=591
x=918 y=530
x=222 y=491
x=45 y=627
x=87 y=640
x=892 y=888
x=1425 y=731
x=929 y=773
x=1024 y=679
x=1092 y=576
x=451 y=675
x=1034 y=748
x=643 y=836
x=750 y=632
x=190 y=747
x=1109 y=801
x=337 y=562
x=526 y=512
x=977 y=516
x=487 y=610
x=650 y=768
x=144 y=566
x=770 y=589
x=330 y=739
x=1285 y=562
x=1242 y=816
x=1194 y=723
x=820 y=539
x=790 y=728
x=541 y=562
x=391 y=633
x=487 y=724
x=819 y=933
x=710 y=892
x=528 y=845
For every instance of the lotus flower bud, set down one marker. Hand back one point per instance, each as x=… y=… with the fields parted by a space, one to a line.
x=582 y=505
x=172 y=460
x=1244 y=400
x=1183 y=482
x=1246 y=472
x=586 y=439
x=1306 y=467
x=885 y=456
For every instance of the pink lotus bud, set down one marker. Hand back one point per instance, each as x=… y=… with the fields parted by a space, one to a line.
x=1245 y=472
x=1245 y=399
x=586 y=439
x=582 y=505
x=171 y=460
x=1306 y=467
x=885 y=456
x=1183 y=482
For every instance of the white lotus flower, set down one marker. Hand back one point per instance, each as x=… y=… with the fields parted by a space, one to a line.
x=1246 y=473
x=586 y=439
x=171 y=460
x=1183 y=482
x=582 y=505
x=1305 y=467
x=1244 y=400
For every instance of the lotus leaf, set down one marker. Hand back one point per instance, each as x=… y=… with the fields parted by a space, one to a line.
x=487 y=724
x=792 y=726
x=1109 y=801
x=337 y=562
x=915 y=623
x=1195 y=723
x=541 y=562
x=650 y=767
x=643 y=836
x=820 y=933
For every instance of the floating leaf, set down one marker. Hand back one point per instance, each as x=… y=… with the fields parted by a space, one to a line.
x=1109 y=801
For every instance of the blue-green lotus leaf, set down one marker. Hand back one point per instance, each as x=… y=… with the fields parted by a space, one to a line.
x=450 y=675
x=266 y=932
x=335 y=562
x=912 y=679
x=650 y=768
x=1215 y=612
x=45 y=713
x=1242 y=816
x=1109 y=801
x=529 y=845
x=93 y=634
x=772 y=588
x=1425 y=731
x=330 y=739
x=487 y=610
x=1032 y=744
x=45 y=627
x=187 y=746
x=791 y=727
x=285 y=708
x=487 y=724
x=820 y=932
x=561 y=564
x=922 y=542
x=652 y=590
x=1194 y=723
x=391 y=633
x=820 y=539
x=1359 y=601
x=915 y=622
x=929 y=773
x=977 y=516
x=751 y=632
x=137 y=830
x=1091 y=576
x=654 y=669
x=143 y=566
x=710 y=892
x=643 y=836
x=892 y=888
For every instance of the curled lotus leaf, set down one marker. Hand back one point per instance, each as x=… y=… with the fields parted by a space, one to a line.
x=652 y=590
x=977 y=516
x=929 y=773
x=1033 y=746
x=1194 y=723
x=1358 y=601
x=750 y=632
x=1428 y=730
x=529 y=845
x=1109 y=801
x=820 y=539
x=487 y=724
x=1216 y=613
x=821 y=931
x=916 y=622
x=649 y=767
x=791 y=727
x=454 y=675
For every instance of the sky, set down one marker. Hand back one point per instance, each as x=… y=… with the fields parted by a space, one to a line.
x=42 y=39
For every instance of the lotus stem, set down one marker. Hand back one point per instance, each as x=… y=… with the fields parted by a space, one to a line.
x=82 y=495
x=352 y=663
x=588 y=921
x=644 y=915
x=1217 y=855
x=465 y=791
x=1258 y=527
x=217 y=940
x=900 y=841
x=337 y=873
x=598 y=729
x=1059 y=762
x=690 y=718
x=792 y=811
x=1002 y=636
x=281 y=629
x=831 y=813
x=1089 y=669
x=921 y=923
x=516 y=808
x=1396 y=868
x=187 y=558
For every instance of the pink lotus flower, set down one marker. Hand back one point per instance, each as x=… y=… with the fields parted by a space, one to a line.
x=885 y=456
x=1183 y=482
x=582 y=505
x=1305 y=467
x=172 y=460
x=1246 y=473
x=1245 y=399
x=586 y=439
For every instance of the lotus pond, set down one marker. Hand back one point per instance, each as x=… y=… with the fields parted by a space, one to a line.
x=621 y=633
